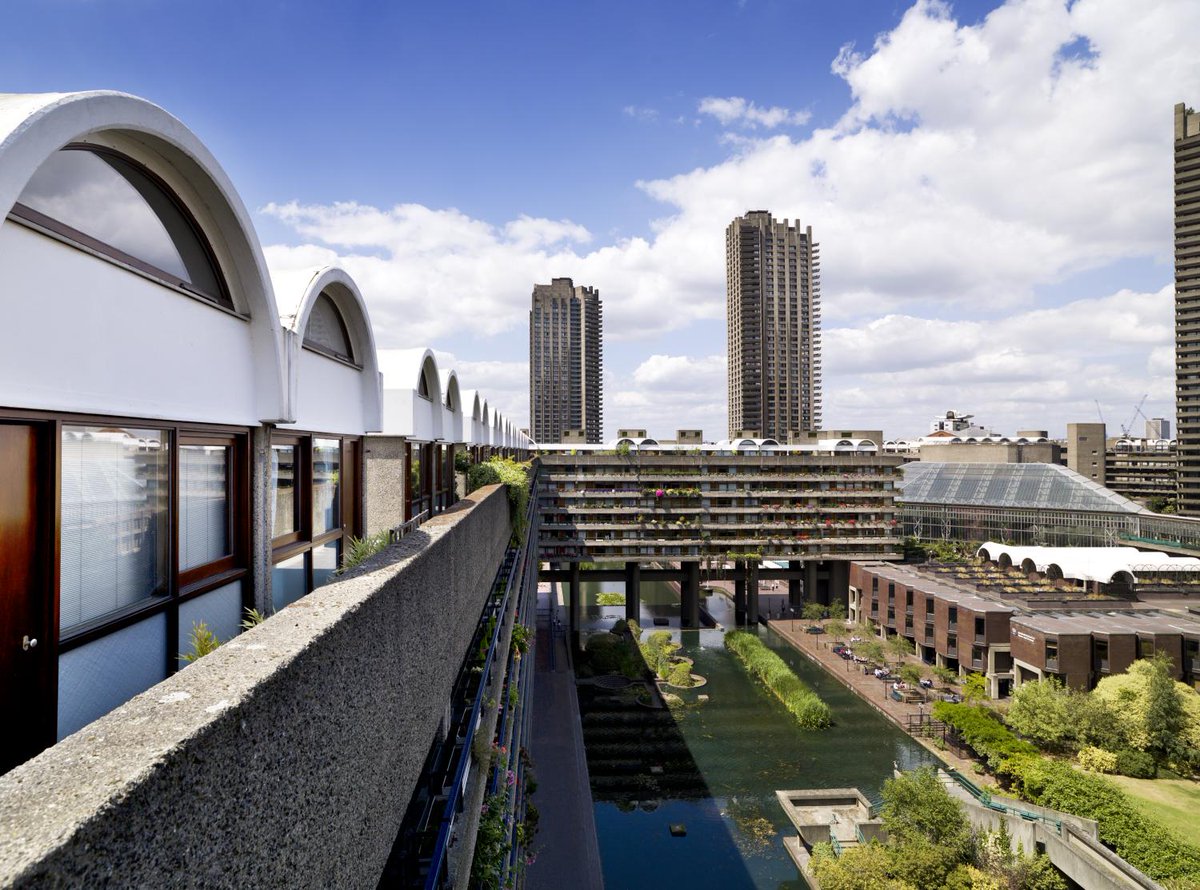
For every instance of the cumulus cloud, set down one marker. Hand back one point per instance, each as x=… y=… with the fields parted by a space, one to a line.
x=734 y=110
x=975 y=166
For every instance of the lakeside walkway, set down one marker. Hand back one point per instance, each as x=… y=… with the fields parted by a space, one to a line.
x=865 y=686
x=568 y=852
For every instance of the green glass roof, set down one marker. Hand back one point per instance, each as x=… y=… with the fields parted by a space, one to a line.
x=1035 y=486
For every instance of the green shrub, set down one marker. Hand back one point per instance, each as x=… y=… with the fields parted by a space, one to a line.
x=515 y=479
x=1135 y=764
x=619 y=627
x=605 y=653
x=359 y=549
x=681 y=675
x=805 y=705
x=1097 y=759
x=203 y=642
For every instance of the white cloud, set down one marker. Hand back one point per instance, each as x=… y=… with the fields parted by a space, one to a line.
x=736 y=110
x=974 y=166
x=640 y=113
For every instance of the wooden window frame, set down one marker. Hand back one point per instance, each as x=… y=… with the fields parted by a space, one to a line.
x=210 y=577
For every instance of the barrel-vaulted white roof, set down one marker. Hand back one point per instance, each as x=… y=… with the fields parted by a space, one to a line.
x=1103 y=564
x=329 y=396
x=406 y=412
x=249 y=387
x=452 y=407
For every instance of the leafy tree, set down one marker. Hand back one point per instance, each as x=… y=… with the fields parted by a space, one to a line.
x=1164 y=713
x=899 y=647
x=912 y=674
x=1042 y=713
x=813 y=612
x=948 y=676
x=974 y=688
x=837 y=610
x=916 y=806
x=837 y=628
x=872 y=650
x=928 y=827
x=866 y=867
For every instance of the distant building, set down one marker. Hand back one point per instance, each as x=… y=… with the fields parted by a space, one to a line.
x=1158 y=428
x=955 y=438
x=1086 y=445
x=1187 y=306
x=773 y=308
x=566 y=362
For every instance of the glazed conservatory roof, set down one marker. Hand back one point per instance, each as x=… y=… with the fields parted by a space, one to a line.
x=1036 y=486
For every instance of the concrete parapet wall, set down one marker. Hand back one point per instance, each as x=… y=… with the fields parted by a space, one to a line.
x=285 y=758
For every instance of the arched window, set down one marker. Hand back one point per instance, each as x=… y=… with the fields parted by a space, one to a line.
x=326 y=330
x=105 y=202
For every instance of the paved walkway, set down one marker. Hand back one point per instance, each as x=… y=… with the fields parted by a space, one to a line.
x=568 y=853
x=866 y=686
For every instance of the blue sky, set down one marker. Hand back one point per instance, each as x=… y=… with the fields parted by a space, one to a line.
x=991 y=191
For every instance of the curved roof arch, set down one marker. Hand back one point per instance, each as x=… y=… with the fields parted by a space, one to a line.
x=35 y=126
x=408 y=412
x=335 y=283
x=1102 y=564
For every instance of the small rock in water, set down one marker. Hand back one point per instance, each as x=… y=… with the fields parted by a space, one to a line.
x=656 y=770
x=701 y=698
x=678 y=829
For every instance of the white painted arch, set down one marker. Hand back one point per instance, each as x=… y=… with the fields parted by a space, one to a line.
x=180 y=339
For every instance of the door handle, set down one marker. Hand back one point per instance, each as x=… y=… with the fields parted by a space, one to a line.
x=28 y=643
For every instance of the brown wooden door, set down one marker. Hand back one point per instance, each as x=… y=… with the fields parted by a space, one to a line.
x=27 y=695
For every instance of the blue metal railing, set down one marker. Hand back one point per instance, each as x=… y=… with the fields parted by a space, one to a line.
x=513 y=576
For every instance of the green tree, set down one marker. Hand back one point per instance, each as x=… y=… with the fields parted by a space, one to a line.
x=837 y=610
x=813 y=612
x=867 y=867
x=837 y=629
x=975 y=688
x=872 y=650
x=1042 y=713
x=1164 y=713
x=899 y=647
x=912 y=674
x=946 y=675
x=928 y=827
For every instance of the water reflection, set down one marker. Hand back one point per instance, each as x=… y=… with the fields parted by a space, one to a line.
x=743 y=746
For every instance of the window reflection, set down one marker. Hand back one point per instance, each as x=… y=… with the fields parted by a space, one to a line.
x=203 y=504
x=284 y=507
x=327 y=456
x=326 y=330
x=114 y=496
x=112 y=200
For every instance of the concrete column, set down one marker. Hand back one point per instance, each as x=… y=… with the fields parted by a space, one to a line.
x=574 y=604
x=839 y=581
x=796 y=586
x=689 y=606
x=633 y=591
x=752 y=593
x=810 y=582
x=260 y=528
x=739 y=598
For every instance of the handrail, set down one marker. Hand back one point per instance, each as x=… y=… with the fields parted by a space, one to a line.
x=395 y=533
x=505 y=575
x=835 y=843
x=985 y=798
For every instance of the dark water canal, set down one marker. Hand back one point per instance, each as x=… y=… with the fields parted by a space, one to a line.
x=724 y=759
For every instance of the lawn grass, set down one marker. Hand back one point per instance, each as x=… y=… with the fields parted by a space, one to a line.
x=1173 y=802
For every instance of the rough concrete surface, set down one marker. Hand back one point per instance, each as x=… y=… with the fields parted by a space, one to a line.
x=286 y=757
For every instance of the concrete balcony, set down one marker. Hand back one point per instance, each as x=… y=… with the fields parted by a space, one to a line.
x=286 y=757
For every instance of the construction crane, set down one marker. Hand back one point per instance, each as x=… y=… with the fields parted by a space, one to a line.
x=1127 y=429
x=1098 y=411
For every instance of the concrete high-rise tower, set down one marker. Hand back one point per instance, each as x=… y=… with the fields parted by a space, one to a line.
x=566 y=361
x=1187 y=308
x=773 y=308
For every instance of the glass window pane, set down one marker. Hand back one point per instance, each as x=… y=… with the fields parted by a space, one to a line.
x=327 y=459
x=105 y=673
x=220 y=610
x=203 y=504
x=326 y=329
x=285 y=511
x=325 y=562
x=112 y=200
x=288 y=581
x=114 y=537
